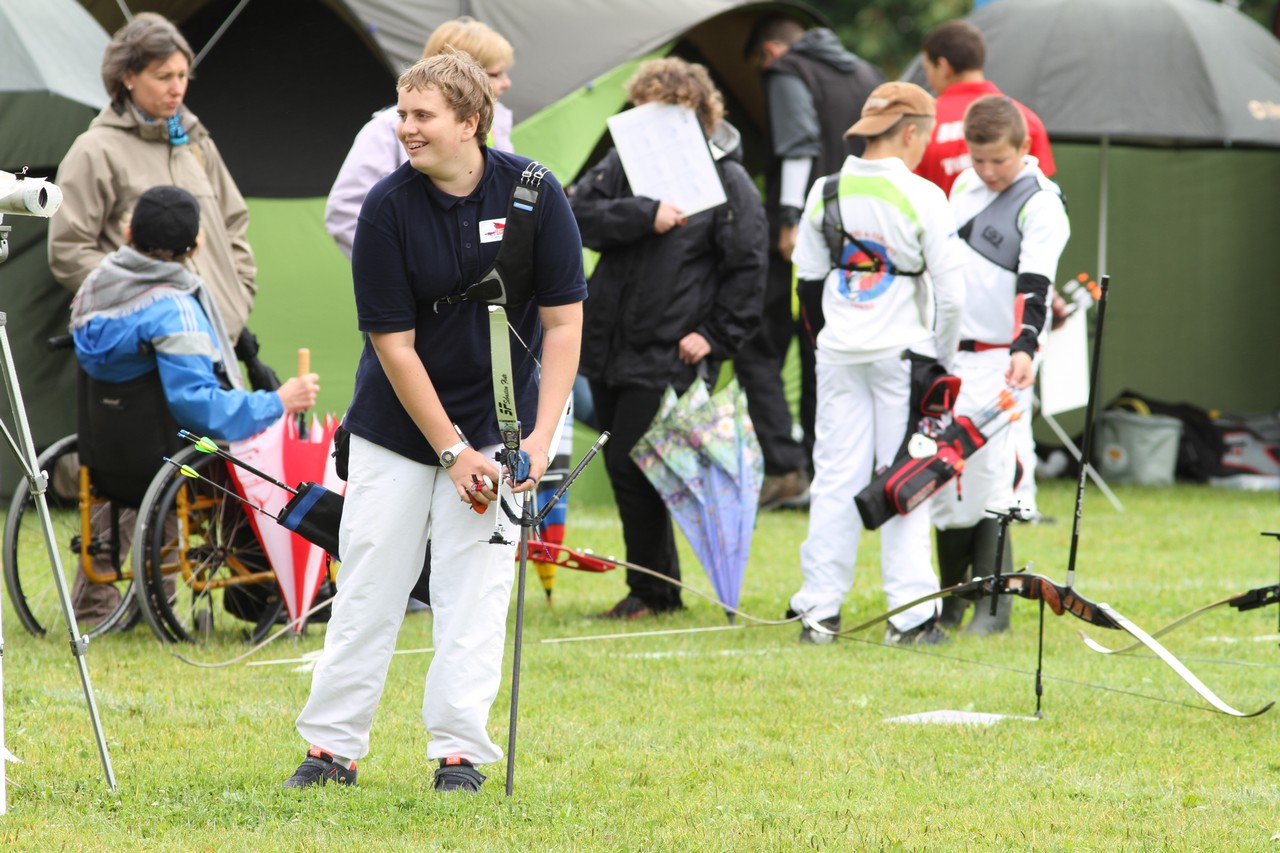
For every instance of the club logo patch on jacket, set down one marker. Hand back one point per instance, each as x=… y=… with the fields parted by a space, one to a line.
x=861 y=288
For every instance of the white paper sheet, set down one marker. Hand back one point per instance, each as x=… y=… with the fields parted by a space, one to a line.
x=1064 y=372
x=666 y=157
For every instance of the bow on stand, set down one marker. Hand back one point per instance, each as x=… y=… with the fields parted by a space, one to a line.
x=1061 y=598
x=515 y=464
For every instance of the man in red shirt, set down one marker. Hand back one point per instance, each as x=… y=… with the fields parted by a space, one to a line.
x=953 y=58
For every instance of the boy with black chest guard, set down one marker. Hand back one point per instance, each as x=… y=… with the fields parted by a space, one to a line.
x=1013 y=223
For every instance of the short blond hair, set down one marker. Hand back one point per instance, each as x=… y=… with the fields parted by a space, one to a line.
x=462 y=83
x=673 y=81
x=472 y=37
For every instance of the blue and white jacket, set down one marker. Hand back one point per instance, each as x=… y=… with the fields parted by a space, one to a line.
x=149 y=320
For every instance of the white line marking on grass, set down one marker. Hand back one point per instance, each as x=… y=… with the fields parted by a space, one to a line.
x=310 y=659
x=963 y=718
x=685 y=654
x=640 y=634
x=1264 y=638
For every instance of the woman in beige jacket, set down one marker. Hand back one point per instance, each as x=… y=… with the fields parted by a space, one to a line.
x=144 y=138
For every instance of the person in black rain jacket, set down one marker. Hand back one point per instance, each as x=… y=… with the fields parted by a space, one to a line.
x=671 y=299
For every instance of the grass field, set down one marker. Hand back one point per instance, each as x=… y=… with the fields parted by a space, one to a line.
x=729 y=740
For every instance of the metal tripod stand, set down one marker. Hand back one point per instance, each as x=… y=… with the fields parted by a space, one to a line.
x=24 y=449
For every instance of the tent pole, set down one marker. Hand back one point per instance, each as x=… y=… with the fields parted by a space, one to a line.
x=213 y=39
x=1104 y=153
x=1075 y=453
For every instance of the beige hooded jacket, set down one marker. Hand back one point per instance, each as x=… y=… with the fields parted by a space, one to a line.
x=111 y=164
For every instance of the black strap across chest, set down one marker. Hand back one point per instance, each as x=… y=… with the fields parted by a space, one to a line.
x=509 y=281
x=835 y=235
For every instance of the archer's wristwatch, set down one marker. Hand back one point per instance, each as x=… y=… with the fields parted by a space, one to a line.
x=449 y=456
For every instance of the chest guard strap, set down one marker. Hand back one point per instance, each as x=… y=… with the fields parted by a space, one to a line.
x=995 y=233
x=509 y=282
x=835 y=235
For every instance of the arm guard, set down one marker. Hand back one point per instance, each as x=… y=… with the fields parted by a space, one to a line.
x=1032 y=296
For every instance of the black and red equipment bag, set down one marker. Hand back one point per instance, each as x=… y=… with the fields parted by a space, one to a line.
x=908 y=482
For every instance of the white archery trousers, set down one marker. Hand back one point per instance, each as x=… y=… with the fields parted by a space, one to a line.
x=393 y=505
x=861 y=421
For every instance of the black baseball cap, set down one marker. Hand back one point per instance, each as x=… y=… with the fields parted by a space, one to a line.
x=166 y=218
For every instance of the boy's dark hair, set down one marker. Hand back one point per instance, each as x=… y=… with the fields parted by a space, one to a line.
x=165 y=222
x=772 y=28
x=994 y=118
x=958 y=42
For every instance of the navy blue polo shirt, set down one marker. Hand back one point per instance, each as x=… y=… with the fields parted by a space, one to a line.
x=415 y=245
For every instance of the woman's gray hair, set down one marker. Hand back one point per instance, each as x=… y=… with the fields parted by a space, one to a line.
x=142 y=41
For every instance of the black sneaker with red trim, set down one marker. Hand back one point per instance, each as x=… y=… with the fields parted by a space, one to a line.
x=455 y=773
x=318 y=768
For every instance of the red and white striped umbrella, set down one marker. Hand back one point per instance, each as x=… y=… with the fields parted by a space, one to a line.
x=281 y=451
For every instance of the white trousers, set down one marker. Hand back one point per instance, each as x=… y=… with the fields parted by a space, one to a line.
x=393 y=505
x=861 y=421
x=987 y=479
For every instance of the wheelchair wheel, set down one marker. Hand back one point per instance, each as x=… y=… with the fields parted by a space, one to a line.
x=100 y=607
x=197 y=557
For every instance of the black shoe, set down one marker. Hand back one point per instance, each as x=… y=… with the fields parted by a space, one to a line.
x=630 y=607
x=819 y=633
x=927 y=633
x=318 y=768
x=458 y=774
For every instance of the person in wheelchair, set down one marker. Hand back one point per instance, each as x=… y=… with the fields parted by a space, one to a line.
x=141 y=312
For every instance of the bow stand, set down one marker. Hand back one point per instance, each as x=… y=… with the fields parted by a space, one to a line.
x=516 y=464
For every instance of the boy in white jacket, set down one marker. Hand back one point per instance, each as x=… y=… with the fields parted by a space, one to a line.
x=897 y=286
x=1013 y=227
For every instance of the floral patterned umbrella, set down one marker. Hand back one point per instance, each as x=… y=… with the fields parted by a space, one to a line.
x=702 y=456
